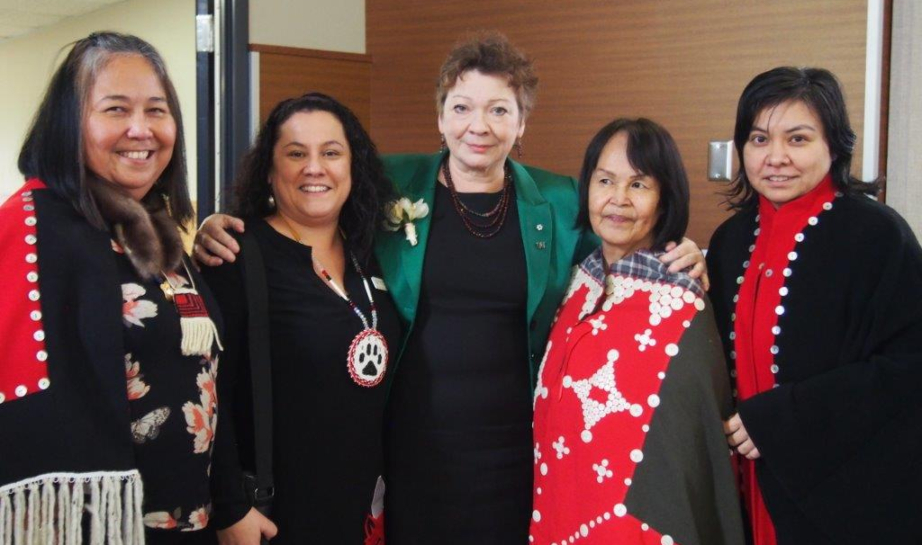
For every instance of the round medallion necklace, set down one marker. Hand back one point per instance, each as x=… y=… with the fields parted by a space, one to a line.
x=366 y=360
x=481 y=224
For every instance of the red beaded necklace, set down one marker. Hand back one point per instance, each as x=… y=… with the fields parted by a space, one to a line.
x=494 y=219
x=368 y=353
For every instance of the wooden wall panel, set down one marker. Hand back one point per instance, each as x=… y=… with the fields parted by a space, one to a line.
x=681 y=62
x=286 y=72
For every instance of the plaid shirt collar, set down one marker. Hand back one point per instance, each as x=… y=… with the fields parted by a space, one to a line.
x=642 y=264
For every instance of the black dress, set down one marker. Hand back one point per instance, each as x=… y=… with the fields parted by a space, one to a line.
x=327 y=428
x=459 y=465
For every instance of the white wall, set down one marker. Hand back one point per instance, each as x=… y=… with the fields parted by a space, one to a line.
x=329 y=25
x=904 y=159
x=27 y=62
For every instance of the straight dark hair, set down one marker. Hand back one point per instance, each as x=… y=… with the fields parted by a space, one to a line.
x=53 y=148
x=820 y=91
x=652 y=151
x=363 y=212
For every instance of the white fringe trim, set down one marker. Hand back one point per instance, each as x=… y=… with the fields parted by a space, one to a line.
x=50 y=509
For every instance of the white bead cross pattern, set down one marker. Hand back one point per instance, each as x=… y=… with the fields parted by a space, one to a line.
x=594 y=410
x=602 y=471
x=562 y=450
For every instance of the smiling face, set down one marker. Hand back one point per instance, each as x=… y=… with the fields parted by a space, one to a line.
x=311 y=169
x=623 y=203
x=786 y=155
x=128 y=130
x=480 y=121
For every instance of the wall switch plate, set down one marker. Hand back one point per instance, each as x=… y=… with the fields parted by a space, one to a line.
x=720 y=161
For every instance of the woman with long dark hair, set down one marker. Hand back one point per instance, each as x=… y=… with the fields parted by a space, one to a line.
x=313 y=191
x=107 y=376
x=817 y=292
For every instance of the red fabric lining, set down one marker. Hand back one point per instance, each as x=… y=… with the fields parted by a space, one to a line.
x=758 y=309
x=23 y=370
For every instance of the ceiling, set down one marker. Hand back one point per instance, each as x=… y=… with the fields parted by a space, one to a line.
x=18 y=17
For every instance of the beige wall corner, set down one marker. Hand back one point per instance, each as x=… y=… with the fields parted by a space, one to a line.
x=904 y=162
x=28 y=61
x=309 y=24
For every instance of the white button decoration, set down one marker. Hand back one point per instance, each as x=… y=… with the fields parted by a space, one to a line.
x=779 y=310
x=34 y=295
x=792 y=256
x=827 y=206
x=41 y=355
x=783 y=291
x=672 y=349
x=30 y=221
x=44 y=383
x=536 y=516
x=799 y=237
x=774 y=349
x=774 y=368
x=21 y=390
x=39 y=335
x=636 y=456
x=31 y=240
x=653 y=401
x=32 y=276
x=776 y=330
x=35 y=315
x=620 y=510
x=813 y=221
x=786 y=272
x=31 y=258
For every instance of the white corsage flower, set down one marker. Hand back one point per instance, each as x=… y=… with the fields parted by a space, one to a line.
x=402 y=213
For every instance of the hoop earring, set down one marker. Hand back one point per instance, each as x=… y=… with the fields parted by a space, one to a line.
x=519 y=151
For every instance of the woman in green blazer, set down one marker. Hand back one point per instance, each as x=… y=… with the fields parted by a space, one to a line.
x=477 y=258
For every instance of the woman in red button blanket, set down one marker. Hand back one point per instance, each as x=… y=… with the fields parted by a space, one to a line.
x=818 y=294
x=629 y=447
x=108 y=403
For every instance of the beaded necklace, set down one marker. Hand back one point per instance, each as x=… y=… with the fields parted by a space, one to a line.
x=490 y=222
x=366 y=360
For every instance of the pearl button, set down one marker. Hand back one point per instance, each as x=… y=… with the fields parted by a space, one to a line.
x=813 y=221
x=2 y=397
x=746 y=264
x=35 y=315
x=776 y=330
x=21 y=390
x=30 y=221
x=34 y=295
x=799 y=237
x=31 y=258
x=739 y=280
x=29 y=207
x=792 y=256
x=32 y=276
x=30 y=240
x=41 y=355
x=756 y=232
x=783 y=291
x=779 y=310
x=751 y=248
x=774 y=369
x=774 y=350
x=44 y=383
x=786 y=272
x=39 y=335
x=827 y=206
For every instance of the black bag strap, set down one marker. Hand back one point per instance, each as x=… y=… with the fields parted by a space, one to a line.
x=260 y=370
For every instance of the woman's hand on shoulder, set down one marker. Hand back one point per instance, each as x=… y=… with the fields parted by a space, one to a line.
x=213 y=244
x=249 y=530
x=738 y=438
x=687 y=255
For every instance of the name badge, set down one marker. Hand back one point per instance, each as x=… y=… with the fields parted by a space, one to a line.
x=378 y=283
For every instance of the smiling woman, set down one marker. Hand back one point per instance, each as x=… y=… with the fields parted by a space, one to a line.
x=129 y=130
x=107 y=377
x=816 y=290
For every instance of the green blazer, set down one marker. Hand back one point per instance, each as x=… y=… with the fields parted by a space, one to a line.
x=547 y=205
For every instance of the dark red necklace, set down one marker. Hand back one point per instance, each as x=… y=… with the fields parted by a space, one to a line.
x=481 y=224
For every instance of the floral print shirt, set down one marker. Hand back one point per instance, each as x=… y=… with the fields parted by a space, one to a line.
x=173 y=403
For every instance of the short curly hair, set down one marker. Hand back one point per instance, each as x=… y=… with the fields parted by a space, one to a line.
x=493 y=54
